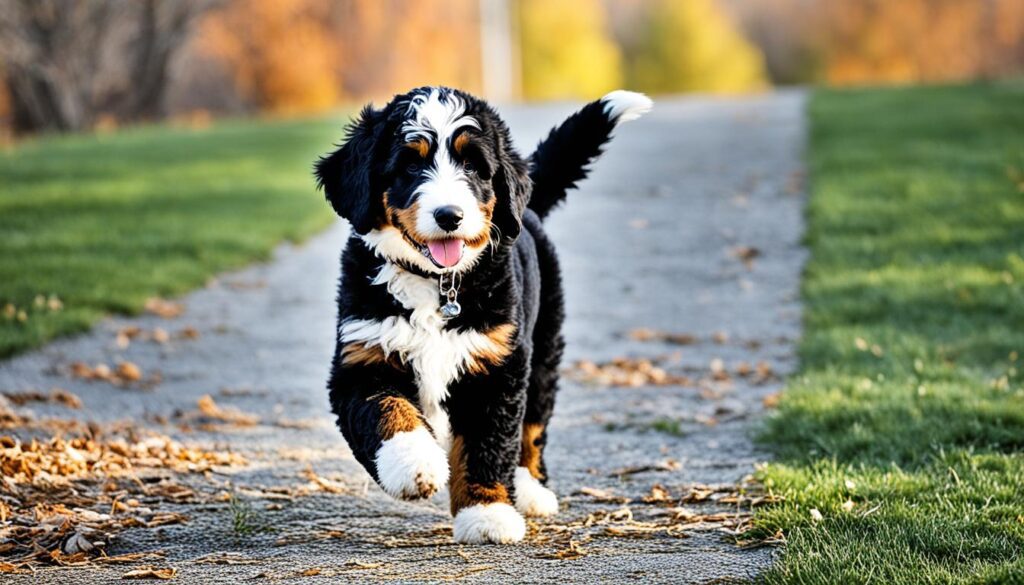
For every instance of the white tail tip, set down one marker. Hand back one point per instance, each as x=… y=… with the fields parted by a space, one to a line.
x=624 y=106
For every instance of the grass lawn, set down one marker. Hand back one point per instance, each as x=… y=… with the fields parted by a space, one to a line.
x=103 y=222
x=909 y=404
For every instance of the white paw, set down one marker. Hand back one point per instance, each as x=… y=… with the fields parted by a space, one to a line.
x=622 y=106
x=410 y=465
x=532 y=498
x=499 y=523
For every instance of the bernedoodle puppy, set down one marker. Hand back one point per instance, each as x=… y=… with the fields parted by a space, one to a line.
x=450 y=302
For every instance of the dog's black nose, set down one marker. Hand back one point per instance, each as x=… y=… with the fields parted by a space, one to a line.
x=448 y=217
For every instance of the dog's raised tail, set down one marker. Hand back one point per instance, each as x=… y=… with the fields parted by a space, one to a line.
x=561 y=160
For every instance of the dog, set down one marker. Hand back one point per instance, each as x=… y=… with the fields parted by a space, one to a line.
x=450 y=302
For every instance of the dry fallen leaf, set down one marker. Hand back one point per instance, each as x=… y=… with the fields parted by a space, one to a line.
x=55 y=396
x=164 y=308
x=746 y=254
x=771 y=400
x=600 y=495
x=626 y=372
x=129 y=371
x=210 y=412
x=162 y=573
x=645 y=334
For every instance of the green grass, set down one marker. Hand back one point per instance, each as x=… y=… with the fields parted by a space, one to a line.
x=105 y=221
x=910 y=397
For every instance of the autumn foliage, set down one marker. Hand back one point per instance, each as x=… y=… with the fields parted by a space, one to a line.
x=567 y=49
x=295 y=56
x=692 y=46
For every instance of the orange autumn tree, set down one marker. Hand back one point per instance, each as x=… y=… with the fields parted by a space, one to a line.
x=872 y=41
x=282 y=57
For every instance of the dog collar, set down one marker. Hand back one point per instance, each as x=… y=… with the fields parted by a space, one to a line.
x=448 y=286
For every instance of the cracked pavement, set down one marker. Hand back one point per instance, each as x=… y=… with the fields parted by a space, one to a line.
x=655 y=238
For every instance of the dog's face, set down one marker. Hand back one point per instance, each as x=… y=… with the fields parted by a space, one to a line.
x=430 y=181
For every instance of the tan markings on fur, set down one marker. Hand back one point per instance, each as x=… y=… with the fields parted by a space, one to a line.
x=465 y=493
x=460 y=141
x=397 y=415
x=421 y=146
x=485 y=235
x=498 y=348
x=530 y=455
x=359 y=353
x=404 y=219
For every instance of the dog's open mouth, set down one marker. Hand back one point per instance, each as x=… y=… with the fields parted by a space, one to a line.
x=443 y=253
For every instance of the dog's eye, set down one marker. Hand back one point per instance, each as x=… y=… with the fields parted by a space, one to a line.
x=413 y=169
x=468 y=166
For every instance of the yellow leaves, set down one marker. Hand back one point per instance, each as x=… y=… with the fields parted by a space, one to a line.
x=567 y=50
x=692 y=46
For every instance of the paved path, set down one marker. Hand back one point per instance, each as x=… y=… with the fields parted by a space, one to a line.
x=651 y=241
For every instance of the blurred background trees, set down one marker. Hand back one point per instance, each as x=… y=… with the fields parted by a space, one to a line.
x=566 y=49
x=69 y=65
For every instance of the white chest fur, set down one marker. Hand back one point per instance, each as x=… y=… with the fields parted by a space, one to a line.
x=437 y=356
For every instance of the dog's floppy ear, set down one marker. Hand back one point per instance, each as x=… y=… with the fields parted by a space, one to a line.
x=349 y=175
x=512 y=187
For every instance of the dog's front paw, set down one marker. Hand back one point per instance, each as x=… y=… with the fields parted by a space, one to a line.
x=482 y=523
x=411 y=465
x=532 y=498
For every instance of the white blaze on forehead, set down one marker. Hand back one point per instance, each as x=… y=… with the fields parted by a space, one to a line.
x=431 y=116
x=436 y=117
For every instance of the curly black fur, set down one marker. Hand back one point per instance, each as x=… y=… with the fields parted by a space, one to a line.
x=516 y=280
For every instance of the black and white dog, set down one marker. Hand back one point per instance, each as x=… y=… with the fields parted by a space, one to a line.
x=450 y=303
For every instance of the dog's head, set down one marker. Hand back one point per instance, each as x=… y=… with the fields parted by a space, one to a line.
x=431 y=180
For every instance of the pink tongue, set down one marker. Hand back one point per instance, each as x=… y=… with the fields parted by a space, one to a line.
x=447 y=253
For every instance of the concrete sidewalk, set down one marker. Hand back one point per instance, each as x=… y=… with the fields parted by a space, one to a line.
x=691 y=224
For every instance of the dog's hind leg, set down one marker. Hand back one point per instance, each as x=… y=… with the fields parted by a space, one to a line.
x=532 y=498
x=385 y=431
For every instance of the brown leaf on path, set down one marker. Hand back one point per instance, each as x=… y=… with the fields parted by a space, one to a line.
x=324 y=484
x=646 y=334
x=666 y=465
x=209 y=410
x=160 y=335
x=772 y=400
x=746 y=254
x=571 y=552
x=659 y=493
x=164 y=308
x=162 y=573
x=55 y=396
x=129 y=371
x=600 y=495
x=626 y=372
